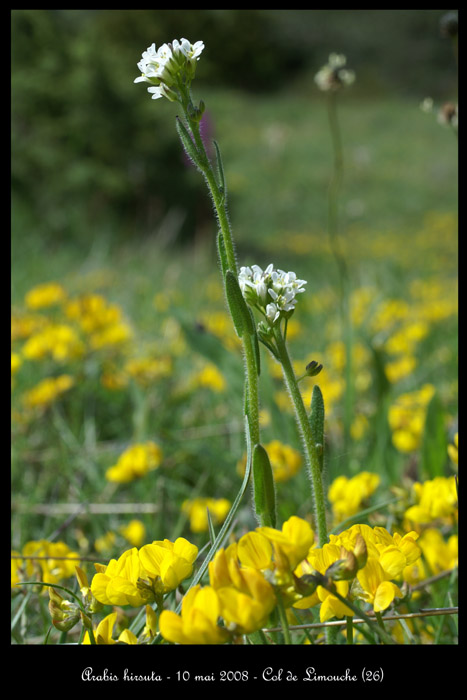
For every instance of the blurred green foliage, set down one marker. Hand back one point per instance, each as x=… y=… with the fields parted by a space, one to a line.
x=91 y=156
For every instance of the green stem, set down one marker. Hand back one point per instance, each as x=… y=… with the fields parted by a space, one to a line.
x=218 y=198
x=283 y=619
x=380 y=631
x=307 y=436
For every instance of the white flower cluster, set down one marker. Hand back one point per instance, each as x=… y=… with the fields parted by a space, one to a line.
x=271 y=291
x=163 y=68
x=334 y=75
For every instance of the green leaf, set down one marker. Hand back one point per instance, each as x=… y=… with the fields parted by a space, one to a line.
x=317 y=422
x=187 y=142
x=239 y=310
x=256 y=345
x=212 y=534
x=264 y=491
x=222 y=253
x=434 y=443
x=220 y=168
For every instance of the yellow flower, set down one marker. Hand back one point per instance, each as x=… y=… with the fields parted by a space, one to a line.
x=103 y=633
x=45 y=295
x=210 y=377
x=320 y=560
x=407 y=418
x=15 y=362
x=347 y=495
x=197 y=623
x=377 y=589
x=135 y=462
x=401 y=367
x=118 y=583
x=453 y=449
x=293 y=541
x=146 y=370
x=395 y=551
x=247 y=609
x=359 y=427
x=111 y=335
x=52 y=570
x=25 y=325
x=439 y=554
x=245 y=596
x=197 y=512
x=47 y=391
x=405 y=339
x=58 y=341
x=151 y=627
x=93 y=312
x=255 y=550
x=168 y=563
x=134 y=532
x=17 y=566
x=436 y=499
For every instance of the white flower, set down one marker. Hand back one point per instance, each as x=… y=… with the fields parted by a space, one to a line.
x=259 y=287
x=272 y=313
x=334 y=75
x=163 y=67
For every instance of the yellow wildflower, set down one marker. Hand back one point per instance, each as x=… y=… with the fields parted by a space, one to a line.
x=47 y=391
x=15 y=362
x=400 y=368
x=103 y=633
x=453 y=449
x=146 y=370
x=58 y=341
x=197 y=508
x=135 y=462
x=376 y=588
x=44 y=295
x=246 y=597
x=439 y=554
x=168 y=563
x=119 y=583
x=197 y=623
x=49 y=568
x=92 y=312
x=210 y=377
x=347 y=496
x=247 y=609
x=293 y=541
x=407 y=418
x=115 y=334
x=320 y=560
x=436 y=499
x=134 y=532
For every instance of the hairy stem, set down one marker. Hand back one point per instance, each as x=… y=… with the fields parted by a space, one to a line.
x=311 y=453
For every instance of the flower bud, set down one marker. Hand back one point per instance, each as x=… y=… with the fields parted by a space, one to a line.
x=64 y=613
x=313 y=368
x=360 y=551
x=306 y=585
x=344 y=568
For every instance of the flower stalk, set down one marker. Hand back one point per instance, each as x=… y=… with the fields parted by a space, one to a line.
x=311 y=451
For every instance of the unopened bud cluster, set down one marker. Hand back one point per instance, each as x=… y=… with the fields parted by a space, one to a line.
x=270 y=291
x=334 y=75
x=168 y=67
